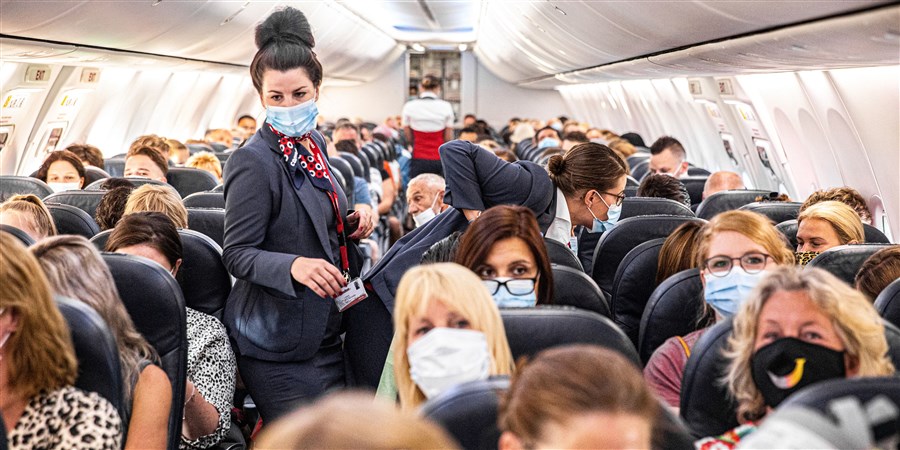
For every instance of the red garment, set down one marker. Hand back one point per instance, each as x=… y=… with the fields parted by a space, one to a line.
x=425 y=144
x=665 y=369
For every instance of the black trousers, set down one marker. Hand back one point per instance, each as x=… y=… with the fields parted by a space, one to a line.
x=369 y=331
x=420 y=166
x=278 y=388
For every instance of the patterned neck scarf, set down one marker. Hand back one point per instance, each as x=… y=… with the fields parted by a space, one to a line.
x=312 y=161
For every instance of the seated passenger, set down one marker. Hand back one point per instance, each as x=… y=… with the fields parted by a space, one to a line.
x=87 y=154
x=206 y=161
x=667 y=156
x=573 y=138
x=75 y=270
x=160 y=144
x=522 y=132
x=634 y=139
x=735 y=248
x=448 y=331
x=178 y=152
x=29 y=214
x=163 y=199
x=469 y=134
x=678 y=251
x=62 y=171
x=878 y=271
x=246 y=124
x=425 y=197
x=350 y=420
x=825 y=225
x=547 y=137
x=664 y=186
x=144 y=162
x=846 y=195
x=112 y=206
x=502 y=153
x=504 y=247
x=577 y=396
x=39 y=405
x=799 y=327
x=211 y=365
x=722 y=181
x=220 y=136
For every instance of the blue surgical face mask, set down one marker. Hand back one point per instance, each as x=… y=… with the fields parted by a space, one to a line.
x=726 y=294
x=557 y=126
x=548 y=142
x=612 y=217
x=504 y=299
x=294 y=121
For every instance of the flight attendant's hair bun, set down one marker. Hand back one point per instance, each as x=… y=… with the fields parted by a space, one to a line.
x=289 y=24
x=557 y=165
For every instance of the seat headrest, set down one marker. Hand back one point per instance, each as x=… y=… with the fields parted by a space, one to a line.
x=672 y=310
x=874 y=235
x=648 y=206
x=205 y=200
x=640 y=169
x=156 y=306
x=632 y=285
x=217 y=147
x=630 y=191
x=115 y=166
x=777 y=212
x=698 y=172
x=208 y=221
x=530 y=330
x=727 y=201
x=204 y=281
x=706 y=407
x=21 y=235
x=694 y=186
x=12 y=185
x=888 y=303
x=360 y=165
x=844 y=261
x=187 y=180
x=637 y=158
x=628 y=234
x=468 y=412
x=560 y=254
x=99 y=368
x=219 y=188
x=137 y=182
x=71 y=220
x=572 y=287
x=86 y=201
x=631 y=181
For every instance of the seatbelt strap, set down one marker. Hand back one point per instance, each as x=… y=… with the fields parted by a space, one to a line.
x=687 y=350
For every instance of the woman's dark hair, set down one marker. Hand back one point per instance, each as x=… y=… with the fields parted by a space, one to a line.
x=504 y=222
x=664 y=186
x=88 y=154
x=112 y=206
x=585 y=167
x=112 y=183
x=147 y=228
x=679 y=250
x=285 y=42
x=60 y=155
x=430 y=82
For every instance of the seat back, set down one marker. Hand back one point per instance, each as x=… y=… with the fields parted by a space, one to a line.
x=631 y=181
x=694 y=186
x=727 y=201
x=187 y=180
x=844 y=261
x=343 y=167
x=86 y=201
x=468 y=412
x=12 y=185
x=208 y=221
x=572 y=287
x=137 y=182
x=99 y=368
x=154 y=302
x=640 y=169
x=649 y=206
x=71 y=220
x=356 y=164
x=625 y=236
x=560 y=254
x=672 y=310
x=698 y=172
x=530 y=330
x=630 y=191
x=115 y=166
x=777 y=212
x=872 y=235
x=888 y=303
x=22 y=236
x=637 y=158
x=632 y=285
x=205 y=200
x=204 y=281
x=93 y=174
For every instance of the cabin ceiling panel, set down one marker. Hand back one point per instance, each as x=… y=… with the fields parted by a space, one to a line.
x=213 y=31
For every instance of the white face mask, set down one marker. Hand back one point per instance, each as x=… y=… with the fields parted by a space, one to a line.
x=446 y=357
x=60 y=187
x=425 y=216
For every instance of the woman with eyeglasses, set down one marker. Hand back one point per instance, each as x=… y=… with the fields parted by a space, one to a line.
x=735 y=249
x=505 y=249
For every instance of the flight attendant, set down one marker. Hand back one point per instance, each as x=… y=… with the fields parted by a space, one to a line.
x=428 y=123
x=289 y=240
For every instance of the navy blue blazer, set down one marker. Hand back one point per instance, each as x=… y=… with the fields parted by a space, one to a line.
x=476 y=179
x=268 y=224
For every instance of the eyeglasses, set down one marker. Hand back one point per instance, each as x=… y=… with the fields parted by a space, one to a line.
x=751 y=263
x=515 y=286
x=620 y=197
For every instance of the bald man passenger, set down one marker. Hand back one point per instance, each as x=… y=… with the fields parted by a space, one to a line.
x=722 y=181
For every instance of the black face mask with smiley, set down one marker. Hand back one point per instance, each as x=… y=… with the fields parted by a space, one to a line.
x=788 y=365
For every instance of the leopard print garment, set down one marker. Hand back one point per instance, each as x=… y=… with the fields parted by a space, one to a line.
x=67 y=418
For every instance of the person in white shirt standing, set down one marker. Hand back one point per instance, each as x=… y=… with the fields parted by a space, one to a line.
x=428 y=123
